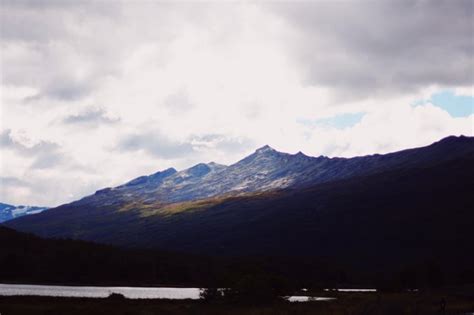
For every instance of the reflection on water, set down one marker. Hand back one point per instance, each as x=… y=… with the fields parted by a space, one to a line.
x=304 y=298
x=100 y=292
x=128 y=292
x=352 y=290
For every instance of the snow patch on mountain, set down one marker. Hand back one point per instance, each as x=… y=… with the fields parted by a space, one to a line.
x=9 y=212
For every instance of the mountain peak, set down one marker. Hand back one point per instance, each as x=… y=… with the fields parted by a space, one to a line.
x=198 y=170
x=153 y=178
x=265 y=148
x=216 y=166
x=166 y=172
x=456 y=139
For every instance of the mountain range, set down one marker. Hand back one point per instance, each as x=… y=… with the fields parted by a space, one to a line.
x=264 y=170
x=393 y=209
x=8 y=212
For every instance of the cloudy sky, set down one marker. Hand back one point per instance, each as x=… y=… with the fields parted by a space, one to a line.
x=95 y=93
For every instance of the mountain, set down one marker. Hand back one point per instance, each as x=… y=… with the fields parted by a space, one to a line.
x=264 y=170
x=8 y=212
x=374 y=211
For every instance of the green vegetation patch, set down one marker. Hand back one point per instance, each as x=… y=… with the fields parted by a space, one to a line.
x=147 y=210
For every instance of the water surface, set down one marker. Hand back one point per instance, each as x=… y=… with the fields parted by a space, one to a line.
x=305 y=298
x=128 y=292
x=100 y=292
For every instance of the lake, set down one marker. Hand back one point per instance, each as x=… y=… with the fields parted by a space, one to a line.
x=100 y=292
x=305 y=298
x=128 y=292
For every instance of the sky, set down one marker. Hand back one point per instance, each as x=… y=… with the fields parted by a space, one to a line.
x=95 y=93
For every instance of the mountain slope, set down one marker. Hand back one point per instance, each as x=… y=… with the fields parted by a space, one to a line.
x=266 y=170
x=9 y=212
x=384 y=209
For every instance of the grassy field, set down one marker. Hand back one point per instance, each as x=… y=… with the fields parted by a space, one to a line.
x=348 y=303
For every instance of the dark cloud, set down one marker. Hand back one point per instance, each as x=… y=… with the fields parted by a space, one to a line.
x=67 y=90
x=21 y=22
x=45 y=21
x=94 y=116
x=52 y=69
x=358 y=48
x=12 y=181
x=52 y=46
x=45 y=154
x=5 y=140
x=155 y=144
x=50 y=160
x=363 y=48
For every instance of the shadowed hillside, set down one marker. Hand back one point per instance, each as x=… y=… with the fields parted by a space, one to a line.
x=404 y=214
x=26 y=258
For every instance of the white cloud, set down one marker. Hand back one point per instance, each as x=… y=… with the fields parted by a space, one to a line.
x=464 y=91
x=388 y=129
